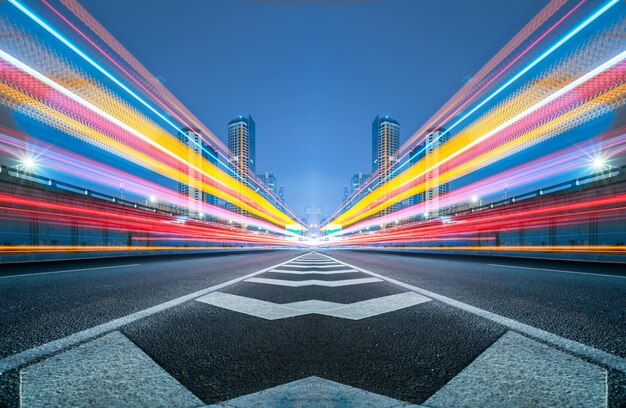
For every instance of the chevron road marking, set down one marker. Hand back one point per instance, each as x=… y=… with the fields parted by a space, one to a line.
x=313 y=272
x=290 y=265
x=274 y=311
x=313 y=282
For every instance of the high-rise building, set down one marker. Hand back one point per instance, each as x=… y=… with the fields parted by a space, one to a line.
x=385 y=145
x=434 y=194
x=269 y=180
x=271 y=184
x=281 y=194
x=198 y=154
x=242 y=144
x=358 y=181
x=242 y=147
x=346 y=194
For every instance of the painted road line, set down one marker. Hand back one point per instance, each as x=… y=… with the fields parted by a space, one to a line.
x=313 y=271
x=519 y=372
x=109 y=371
x=313 y=282
x=574 y=347
x=274 y=311
x=67 y=271
x=559 y=270
x=25 y=357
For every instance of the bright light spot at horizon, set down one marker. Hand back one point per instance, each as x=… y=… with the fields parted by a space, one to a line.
x=474 y=198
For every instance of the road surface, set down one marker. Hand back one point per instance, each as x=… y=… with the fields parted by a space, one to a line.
x=324 y=328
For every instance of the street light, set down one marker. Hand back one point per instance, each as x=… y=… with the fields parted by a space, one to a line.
x=475 y=199
x=29 y=163
x=152 y=199
x=599 y=163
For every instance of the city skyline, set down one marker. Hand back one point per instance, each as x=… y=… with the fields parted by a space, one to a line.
x=326 y=113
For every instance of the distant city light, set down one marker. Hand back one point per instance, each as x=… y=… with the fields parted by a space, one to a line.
x=475 y=198
x=152 y=198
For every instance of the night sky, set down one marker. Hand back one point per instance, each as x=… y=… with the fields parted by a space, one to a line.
x=313 y=74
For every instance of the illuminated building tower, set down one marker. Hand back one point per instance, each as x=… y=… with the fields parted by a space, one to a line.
x=242 y=147
x=346 y=194
x=385 y=145
x=358 y=181
x=281 y=194
x=198 y=154
x=269 y=180
x=435 y=192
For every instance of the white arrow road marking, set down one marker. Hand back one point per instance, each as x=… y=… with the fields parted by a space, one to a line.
x=313 y=282
x=291 y=265
x=274 y=311
x=313 y=271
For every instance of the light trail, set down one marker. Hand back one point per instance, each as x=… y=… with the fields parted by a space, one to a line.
x=352 y=215
x=594 y=16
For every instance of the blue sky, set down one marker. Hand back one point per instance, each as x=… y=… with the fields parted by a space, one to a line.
x=313 y=74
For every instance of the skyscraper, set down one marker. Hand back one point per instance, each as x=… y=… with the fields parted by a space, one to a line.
x=357 y=181
x=198 y=153
x=242 y=147
x=242 y=144
x=269 y=180
x=435 y=192
x=271 y=184
x=281 y=194
x=385 y=145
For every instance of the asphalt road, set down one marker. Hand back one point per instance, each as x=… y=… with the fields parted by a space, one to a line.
x=327 y=328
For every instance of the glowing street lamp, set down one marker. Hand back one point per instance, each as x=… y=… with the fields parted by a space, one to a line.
x=474 y=199
x=29 y=163
x=599 y=163
x=151 y=200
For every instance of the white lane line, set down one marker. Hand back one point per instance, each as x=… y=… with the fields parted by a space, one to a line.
x=558 y=270
x=27 y=356
x=68 y=270
x=313 y=282
x=574 y=347
x=313 y=272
